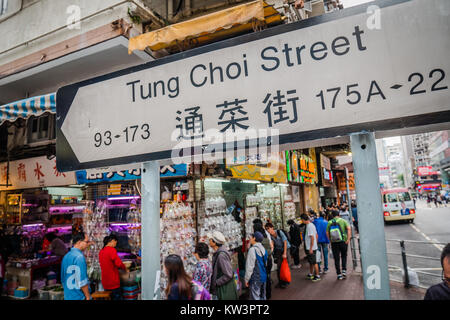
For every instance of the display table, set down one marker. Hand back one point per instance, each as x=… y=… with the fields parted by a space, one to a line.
x=24 y=271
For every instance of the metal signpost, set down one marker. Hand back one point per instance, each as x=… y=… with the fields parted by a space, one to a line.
x=324 y=77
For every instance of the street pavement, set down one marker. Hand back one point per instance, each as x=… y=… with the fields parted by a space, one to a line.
x=329 y=288
x=432 y=227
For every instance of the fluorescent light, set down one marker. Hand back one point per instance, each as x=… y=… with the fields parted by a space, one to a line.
x=216 y=180
x=251 y=181
x=124 y=198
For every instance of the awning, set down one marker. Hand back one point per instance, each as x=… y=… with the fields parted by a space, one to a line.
x=25 y=108
x=236 y=19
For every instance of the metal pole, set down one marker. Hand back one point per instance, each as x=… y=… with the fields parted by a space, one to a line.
x=370 y=217
x=405 y=265
x=352 y=238
x=151 y=256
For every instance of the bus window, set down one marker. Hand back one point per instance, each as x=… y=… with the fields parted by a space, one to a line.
x=390 y=198
x=404 y=196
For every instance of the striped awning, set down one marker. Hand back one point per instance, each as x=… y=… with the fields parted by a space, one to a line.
x=27 y=107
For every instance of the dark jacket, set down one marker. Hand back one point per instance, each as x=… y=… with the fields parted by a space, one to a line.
x=294 y=233
x=221 y=261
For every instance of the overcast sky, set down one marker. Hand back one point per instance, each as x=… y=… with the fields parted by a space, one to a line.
x=351 y=3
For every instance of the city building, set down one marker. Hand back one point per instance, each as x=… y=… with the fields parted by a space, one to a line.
x=439 y=152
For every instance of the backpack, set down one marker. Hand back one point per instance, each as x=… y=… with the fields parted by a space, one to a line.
x=261 y=263
x=335 y=232
x=199 y=292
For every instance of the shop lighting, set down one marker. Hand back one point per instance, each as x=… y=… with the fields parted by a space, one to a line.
x=125 y=224
x=124 y=198
x=284 y=185
x=29 y=205
x=64 y=209
x=32 y=225
x=251 y=181
x=216 y=180
x=60 y=228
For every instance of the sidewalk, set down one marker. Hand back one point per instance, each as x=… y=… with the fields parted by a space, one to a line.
x=329 y=288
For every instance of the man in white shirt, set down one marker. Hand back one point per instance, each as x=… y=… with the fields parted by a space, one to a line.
x=310 y=238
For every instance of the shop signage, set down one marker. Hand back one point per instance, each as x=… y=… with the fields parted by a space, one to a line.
x=34 y=173
x=274 y=171
x=325 y=162
x=307 y=170
x=342 y=185
x=126 y=172
x=360 y=77
x=292 y=166
x=426 y=171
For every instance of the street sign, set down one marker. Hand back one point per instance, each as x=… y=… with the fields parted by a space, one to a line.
x=332 y=75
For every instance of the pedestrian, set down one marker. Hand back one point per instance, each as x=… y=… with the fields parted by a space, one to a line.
x=255 y=268
x=311 y=238
x=110 y=263
x=279 y=251
x=296 y=241
x=439 y=200
x=321 y=226
x=203 y=269
x=344 y=214
x=55 y=245
x=223 y=285
x=267 y=243
x=441 y=291
x=74 y=276
x=355 y=216
x=179 y=282
x=339 y=233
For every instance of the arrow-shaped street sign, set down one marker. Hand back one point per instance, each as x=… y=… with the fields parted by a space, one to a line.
x=323 y=77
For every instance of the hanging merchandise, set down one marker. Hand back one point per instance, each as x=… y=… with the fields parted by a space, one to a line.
x=251 y=213
x=289 y=210
x=270 y=209
x=134 y=227
x=253 y=200
x=96 y=228
x=216 y=217
x=178 y=236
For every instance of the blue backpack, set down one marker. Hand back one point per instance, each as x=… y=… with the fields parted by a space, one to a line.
x=261 y=263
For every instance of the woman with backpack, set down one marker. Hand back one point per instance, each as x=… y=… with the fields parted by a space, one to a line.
x=223 y=285
x=267 y=243
x=181 y=286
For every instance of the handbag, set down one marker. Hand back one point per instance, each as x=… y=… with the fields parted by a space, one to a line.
x=228 y=291
x=285 y=272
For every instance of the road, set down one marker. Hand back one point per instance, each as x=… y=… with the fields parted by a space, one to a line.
x=432 y=226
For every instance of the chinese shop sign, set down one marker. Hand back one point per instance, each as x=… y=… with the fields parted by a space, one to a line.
x=34 y=173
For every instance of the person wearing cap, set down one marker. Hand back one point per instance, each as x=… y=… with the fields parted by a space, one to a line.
x=222 y=280
x=255 y=268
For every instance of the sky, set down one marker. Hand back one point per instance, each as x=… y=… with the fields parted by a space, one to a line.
x=351 y=3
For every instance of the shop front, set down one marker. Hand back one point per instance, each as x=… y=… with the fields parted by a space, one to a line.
x=35 y=200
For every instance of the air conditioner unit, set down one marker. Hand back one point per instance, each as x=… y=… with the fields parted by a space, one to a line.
x=308 y=6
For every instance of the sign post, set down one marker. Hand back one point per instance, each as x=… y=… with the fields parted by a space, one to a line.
x=370 y=217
